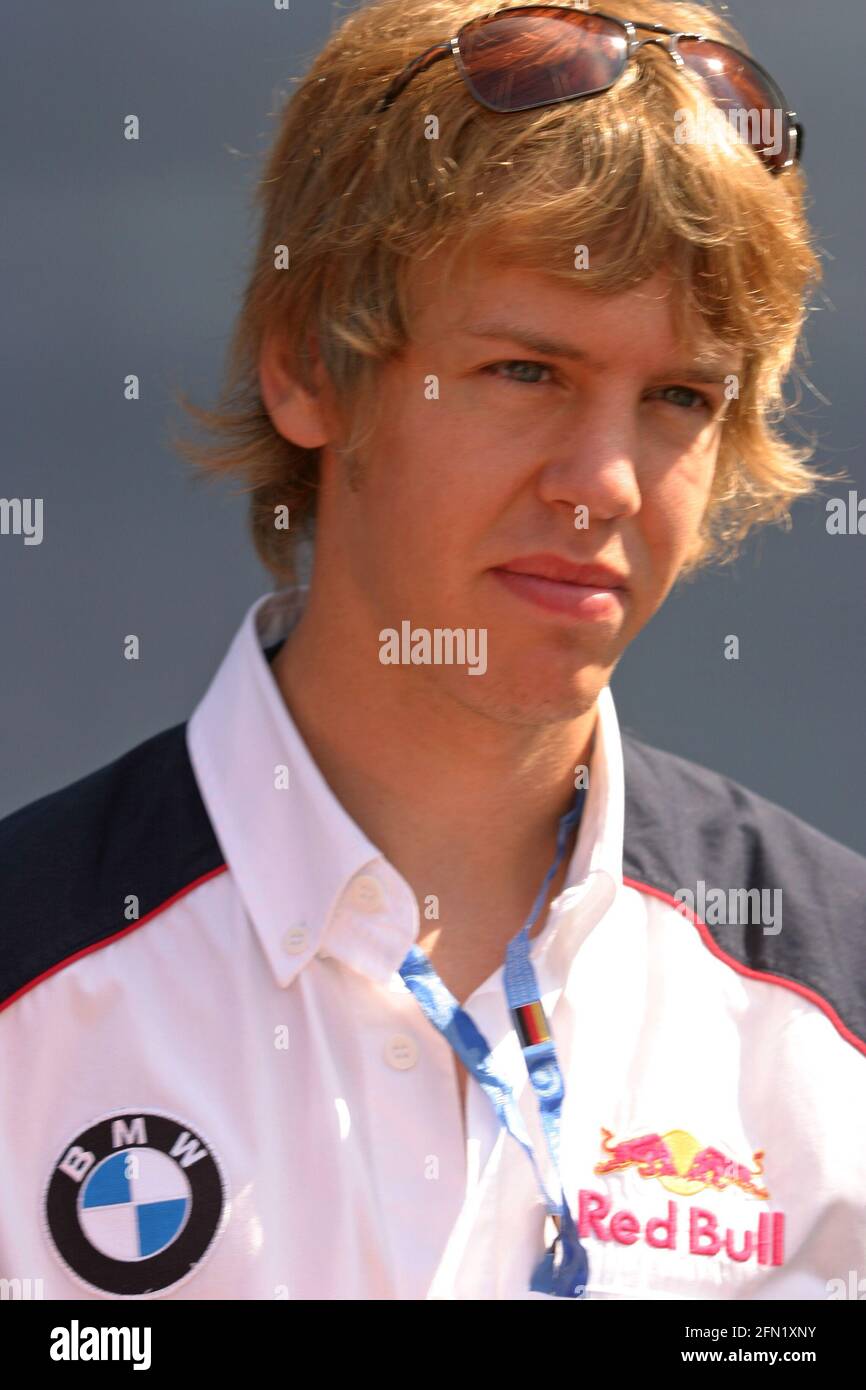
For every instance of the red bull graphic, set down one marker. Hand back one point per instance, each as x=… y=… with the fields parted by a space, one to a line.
x=681 y=1164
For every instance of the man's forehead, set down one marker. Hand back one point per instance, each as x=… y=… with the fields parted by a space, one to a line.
x=484 y=298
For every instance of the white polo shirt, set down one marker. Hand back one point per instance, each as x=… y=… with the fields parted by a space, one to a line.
x=215 y=1085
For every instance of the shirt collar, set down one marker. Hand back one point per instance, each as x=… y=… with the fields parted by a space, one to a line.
x=310 y=879
x=594 y=873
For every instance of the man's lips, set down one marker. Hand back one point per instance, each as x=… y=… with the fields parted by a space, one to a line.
x=558 y=585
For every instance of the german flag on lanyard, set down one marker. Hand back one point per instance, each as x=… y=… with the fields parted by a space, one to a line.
x=531 y=1023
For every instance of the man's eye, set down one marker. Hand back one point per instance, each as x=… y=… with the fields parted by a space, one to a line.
x=684 y=397
x=520 y=370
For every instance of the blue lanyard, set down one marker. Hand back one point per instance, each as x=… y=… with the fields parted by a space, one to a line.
x=563 y=1269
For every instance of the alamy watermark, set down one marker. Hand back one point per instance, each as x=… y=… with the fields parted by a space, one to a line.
x=439 y=646
x=22 y=516
x=734 y=906
x=77 y=1343
x=23 y=1289
x=854 y=1287
x=711 y=125
x=846 y=516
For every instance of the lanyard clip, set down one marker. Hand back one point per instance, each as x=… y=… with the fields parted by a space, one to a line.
x=564 y=1268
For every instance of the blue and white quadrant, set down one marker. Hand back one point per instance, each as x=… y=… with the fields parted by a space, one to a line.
x=134 y=1204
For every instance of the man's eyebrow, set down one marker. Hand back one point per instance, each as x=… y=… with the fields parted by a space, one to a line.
x=705 y=367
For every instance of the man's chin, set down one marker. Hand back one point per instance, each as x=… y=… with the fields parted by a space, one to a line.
x=529 y=702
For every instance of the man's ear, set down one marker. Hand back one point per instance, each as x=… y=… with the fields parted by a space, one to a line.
x=298 y=413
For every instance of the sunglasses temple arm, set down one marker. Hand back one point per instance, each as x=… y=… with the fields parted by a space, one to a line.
x=795 y=147
x=424 y=60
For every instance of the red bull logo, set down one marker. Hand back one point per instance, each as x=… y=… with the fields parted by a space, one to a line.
x=681 y=1163
x=701 y=1234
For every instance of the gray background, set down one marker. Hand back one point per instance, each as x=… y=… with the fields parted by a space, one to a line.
x=130 y=257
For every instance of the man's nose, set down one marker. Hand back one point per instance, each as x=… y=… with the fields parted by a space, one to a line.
x=596 y=465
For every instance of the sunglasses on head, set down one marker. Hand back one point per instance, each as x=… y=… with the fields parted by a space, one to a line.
x=539 y=55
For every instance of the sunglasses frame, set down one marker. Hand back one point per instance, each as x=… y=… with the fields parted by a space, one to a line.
x=668 y=39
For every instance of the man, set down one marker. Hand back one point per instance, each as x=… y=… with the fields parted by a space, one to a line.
x=398 y=972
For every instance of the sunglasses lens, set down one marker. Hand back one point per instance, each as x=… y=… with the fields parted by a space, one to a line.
x=529 y=57
x=751 y=102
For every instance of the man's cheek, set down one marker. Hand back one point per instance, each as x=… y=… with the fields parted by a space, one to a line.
x=679 y=506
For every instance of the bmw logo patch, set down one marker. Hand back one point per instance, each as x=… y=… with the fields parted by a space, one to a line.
x=134 y=1203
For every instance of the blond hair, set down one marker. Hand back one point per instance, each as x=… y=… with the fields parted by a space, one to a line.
x=358 y=198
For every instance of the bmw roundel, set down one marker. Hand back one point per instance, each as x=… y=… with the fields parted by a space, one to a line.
x=134 y=1203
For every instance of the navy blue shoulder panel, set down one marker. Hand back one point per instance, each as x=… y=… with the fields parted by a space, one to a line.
x=69 y=861
x=686 y=825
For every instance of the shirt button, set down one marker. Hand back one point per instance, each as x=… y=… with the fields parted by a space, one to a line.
x=401 y=1051
x=295 y=940
x=366 y=894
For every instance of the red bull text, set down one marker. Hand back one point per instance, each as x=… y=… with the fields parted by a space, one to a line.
x=764 y=1243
